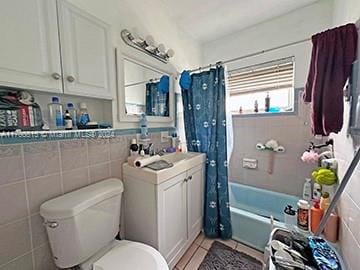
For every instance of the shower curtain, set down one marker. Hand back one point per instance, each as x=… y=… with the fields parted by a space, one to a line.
x=204 y=100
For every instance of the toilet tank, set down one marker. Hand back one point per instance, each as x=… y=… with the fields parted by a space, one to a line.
x=82 y=222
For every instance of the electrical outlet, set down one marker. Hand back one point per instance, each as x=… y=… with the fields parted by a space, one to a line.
x=164 y=136
x=250 y=163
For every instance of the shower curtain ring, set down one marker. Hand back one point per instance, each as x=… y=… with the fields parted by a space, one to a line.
x=219 y=63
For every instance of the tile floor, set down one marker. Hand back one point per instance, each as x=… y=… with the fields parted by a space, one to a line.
x=199 y=248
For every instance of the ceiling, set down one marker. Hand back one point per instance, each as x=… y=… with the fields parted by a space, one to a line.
x=207 y=20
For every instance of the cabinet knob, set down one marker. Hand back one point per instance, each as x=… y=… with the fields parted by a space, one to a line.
x=56 y=76
x=190 y=178
x=70 y=78
x=186 y=179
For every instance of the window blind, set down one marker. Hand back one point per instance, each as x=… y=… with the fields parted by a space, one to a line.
x=268 y=76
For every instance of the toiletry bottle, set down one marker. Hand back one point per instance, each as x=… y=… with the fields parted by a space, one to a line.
x=84 y=117
x=303 y=215
x=289 y=216
x=143 y=126
x=267 y=102
x=325 y=201
x=56 y=118
x=316 y=192
x=72 y=111
x=134 y=148
x=316 y=215
x=68 y=121
x=332 y=228
x=307 y=196
x=256 y=106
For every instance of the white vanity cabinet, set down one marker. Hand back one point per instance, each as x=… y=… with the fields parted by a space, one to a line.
x=53 y=46
x=165 y=211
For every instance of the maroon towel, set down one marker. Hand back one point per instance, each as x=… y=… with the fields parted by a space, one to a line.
x=333 y=53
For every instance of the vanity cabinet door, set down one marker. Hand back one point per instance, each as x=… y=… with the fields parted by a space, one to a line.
x=172 y=216
x=195 y=200
x=29 y=47
x=86 y=52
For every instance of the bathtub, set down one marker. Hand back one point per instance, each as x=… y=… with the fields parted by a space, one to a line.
x=251 y=209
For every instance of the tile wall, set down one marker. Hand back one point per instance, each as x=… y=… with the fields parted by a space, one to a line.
x=291 y=131
x=32 y=173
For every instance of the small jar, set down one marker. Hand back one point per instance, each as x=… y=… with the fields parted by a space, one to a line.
x=303 y=215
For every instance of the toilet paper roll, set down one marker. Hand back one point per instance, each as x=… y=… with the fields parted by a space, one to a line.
x=139 y=163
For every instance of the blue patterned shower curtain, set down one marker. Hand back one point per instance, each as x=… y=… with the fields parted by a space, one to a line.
x=205 y=128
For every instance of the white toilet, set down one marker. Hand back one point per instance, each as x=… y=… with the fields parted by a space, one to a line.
x=82 y=226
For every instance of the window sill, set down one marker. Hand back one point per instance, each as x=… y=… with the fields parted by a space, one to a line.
x=265 y=114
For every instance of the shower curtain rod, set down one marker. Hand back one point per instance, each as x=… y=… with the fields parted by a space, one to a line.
x=250 y=55
x=138 y=83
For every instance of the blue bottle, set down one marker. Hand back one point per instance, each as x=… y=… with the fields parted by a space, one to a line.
x=56 y=118
x=143 y=126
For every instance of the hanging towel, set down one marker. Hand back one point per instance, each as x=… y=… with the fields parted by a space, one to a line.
x=333 y=53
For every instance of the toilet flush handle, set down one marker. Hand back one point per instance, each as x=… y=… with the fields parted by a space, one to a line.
x=51 y=224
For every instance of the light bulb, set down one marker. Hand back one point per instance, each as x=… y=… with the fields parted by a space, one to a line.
x=149 y=40
x=170 y=53
x=161 y=48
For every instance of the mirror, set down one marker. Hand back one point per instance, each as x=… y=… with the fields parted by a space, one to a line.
x=146 y=90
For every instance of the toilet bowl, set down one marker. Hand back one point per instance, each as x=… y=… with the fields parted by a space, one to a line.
x=82 y=226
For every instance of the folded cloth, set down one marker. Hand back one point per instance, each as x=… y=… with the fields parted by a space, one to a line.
x=333 y=53
x=324 y=256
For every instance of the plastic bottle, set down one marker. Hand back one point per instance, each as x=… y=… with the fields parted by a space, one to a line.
x=267 y=102
x=325 y=201
x=134 y=148
x=72 y=111
x=143 y=126
x=56 y=120
x=307 y=196
x=317 y=191
x=68 y=121
x=303 y=215
x=256 y=106
x=289 y=216
x=332 y=228
x=84 y=117
x=316 y=215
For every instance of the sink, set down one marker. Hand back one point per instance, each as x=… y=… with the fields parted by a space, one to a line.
x=177 y=157
x=181 y=163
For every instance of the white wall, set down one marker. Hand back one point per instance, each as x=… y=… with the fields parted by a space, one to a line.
x=291 y=131
x=149 y=17
x=294 y=26
x=346 y=11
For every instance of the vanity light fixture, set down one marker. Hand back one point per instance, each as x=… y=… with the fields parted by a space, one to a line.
x=147 y=45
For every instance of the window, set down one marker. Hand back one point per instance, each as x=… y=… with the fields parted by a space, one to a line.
x=254 y=83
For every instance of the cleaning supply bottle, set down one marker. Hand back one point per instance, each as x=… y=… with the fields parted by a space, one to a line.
x=289 y=216
x=317 y=191
x=316 y=215
x=84 y=117
x=68 y=121
x=267 y=102
x=134 y=148
x=325 y=201
x=307 y=196
x=303 y=215
x=72 y=111
x=56 y=120
x=331 y=230
x=143 y=126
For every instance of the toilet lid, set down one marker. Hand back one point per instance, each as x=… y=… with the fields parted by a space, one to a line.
x=129 y=255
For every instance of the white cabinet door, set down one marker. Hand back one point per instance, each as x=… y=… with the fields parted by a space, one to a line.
x=172 y=218
x=29 y=46
x=195 y=199
x=87 y=54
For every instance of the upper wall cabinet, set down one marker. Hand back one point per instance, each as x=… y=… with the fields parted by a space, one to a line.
x=29 y=47
x=88 y=60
